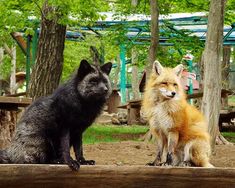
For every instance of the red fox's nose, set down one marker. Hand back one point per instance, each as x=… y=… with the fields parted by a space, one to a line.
x=173 y=93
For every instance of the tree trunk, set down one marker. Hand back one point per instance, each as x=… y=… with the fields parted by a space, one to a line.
x=49 y=61
x=8 y=121
x=154 y=9
x=211 y=100
x=134 y=78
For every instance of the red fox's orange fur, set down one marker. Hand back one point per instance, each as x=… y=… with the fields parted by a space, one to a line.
x=180 y=129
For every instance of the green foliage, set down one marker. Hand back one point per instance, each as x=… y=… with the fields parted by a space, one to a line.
x=76 y=51
x=15 y=14
x=5 y=68
x=24 y=15
x=230 y=12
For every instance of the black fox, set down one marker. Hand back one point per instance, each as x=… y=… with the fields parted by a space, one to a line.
x=53 y=124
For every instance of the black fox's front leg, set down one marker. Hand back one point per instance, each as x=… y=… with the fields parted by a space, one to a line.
x=78 y=150
x=65 y=151
x=173 y=138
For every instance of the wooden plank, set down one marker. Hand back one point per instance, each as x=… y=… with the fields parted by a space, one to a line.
x=114 y=176
x=16 y=94
x=14 y=102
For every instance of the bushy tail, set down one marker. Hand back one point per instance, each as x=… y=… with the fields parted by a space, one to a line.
x=4 y=159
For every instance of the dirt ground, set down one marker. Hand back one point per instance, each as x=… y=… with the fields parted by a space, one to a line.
x=140 y=153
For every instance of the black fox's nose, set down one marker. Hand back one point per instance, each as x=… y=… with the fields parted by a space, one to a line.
x=105 y=89
x=173 y=93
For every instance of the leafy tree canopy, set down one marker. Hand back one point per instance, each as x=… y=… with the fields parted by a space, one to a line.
x=24 y=15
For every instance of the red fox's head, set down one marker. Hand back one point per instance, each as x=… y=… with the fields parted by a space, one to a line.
x=167 y=81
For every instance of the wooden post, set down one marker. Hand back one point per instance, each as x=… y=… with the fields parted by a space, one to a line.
x=114 y=176
x=123 y=73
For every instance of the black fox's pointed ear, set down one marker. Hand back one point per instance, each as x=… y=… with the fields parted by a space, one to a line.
x=106 y=68
x=157 y=67
x=84 y=68
x=178 y=69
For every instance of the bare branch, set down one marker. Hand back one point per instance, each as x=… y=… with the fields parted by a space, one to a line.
x=40 y=9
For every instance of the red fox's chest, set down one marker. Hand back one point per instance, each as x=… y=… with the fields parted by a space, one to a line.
x=165 y=118
x=161 y=118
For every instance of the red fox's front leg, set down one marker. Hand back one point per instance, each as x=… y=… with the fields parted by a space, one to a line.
x=173 y=138
x=161 y=146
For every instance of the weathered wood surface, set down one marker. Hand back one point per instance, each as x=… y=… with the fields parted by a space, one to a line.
x=8 y=121
x=14 y=102
x=114 y=176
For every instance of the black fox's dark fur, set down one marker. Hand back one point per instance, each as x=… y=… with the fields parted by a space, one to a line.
x=53 y=124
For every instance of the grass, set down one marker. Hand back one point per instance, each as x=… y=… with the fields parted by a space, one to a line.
x=231 y=100
x=112 y=133
x=230 y=136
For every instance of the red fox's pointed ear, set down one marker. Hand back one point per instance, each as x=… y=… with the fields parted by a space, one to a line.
x=157 y=67
x=178 y=69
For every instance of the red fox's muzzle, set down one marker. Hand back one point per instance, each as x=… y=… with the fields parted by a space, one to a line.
x=168 y=93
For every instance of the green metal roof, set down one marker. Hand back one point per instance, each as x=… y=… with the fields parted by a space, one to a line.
x=139 y=30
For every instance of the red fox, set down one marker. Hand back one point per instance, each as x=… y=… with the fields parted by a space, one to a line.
x=180 y=129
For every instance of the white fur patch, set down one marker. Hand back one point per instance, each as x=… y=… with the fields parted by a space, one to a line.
x=161 y=119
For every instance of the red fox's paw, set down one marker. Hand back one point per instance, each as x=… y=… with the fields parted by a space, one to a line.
x=169 y=159
x=208 y=165
x=186 y=164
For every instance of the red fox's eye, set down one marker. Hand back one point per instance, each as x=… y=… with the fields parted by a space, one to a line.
x=175 y=84
x=164 y=83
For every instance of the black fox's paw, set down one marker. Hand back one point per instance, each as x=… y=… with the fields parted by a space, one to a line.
x=86 y=162
x=74 y=165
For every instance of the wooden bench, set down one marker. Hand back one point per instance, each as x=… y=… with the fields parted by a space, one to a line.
x=226 y=116
x=133 y=111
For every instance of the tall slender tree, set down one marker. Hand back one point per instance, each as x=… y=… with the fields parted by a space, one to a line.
x=211 y=100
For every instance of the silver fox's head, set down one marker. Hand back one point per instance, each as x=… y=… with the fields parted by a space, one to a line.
x=93 y=81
